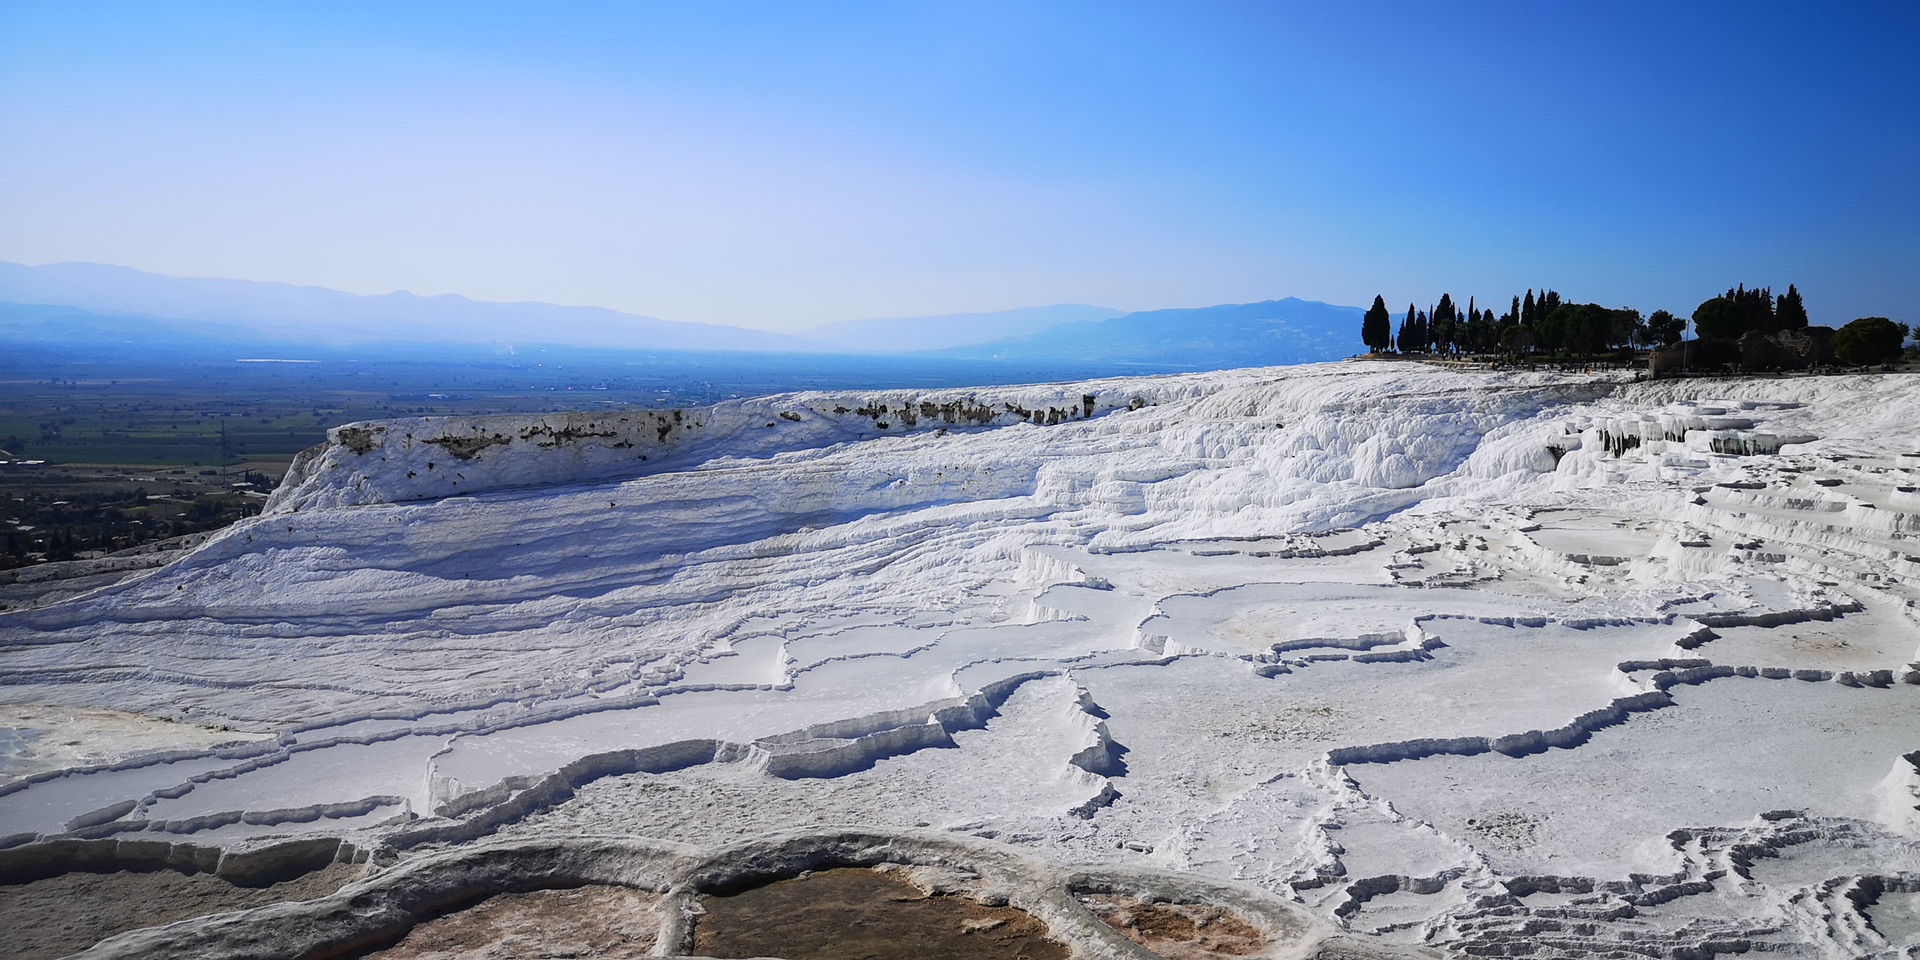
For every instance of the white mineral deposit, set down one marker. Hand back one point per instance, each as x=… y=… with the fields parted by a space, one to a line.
x=1381 y=659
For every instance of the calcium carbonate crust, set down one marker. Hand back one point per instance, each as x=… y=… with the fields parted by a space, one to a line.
x=1469 y=662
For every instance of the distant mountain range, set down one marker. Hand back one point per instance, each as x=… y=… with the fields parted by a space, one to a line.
x=905 y=334
x=79 y=301
x=316 y=314
x=1229 y=335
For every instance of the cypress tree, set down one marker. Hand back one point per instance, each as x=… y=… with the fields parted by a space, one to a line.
x=1737 y=312
x=1480 y=329
x=1528 y=312
x=1376 y=328
x=1756 y=310
x=1790 y=314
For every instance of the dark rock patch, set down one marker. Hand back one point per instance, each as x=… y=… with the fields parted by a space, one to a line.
x=62 y=914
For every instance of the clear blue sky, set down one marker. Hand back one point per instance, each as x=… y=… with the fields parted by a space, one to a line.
x=777 y=165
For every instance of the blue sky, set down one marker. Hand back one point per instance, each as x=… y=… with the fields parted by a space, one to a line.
x=777 y=165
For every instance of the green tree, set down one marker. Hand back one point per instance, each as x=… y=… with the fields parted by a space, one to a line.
x=1442 y=331
x=1717 y=319
x=1517 y=339
x=1625 y=327
x=1550 y=330
x=1587 y=329
x=1869 y=340
x=1663 y=328
x=1482 y=331
x=1376 y=328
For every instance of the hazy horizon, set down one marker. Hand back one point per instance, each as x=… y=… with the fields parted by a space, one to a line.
x=402 y=291
x=779 y=168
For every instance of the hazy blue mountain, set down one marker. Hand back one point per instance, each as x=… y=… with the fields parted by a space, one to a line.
x=52 y=323
x=903 y=334
x=1211 y=338
x=282 y=311
x=82 y=302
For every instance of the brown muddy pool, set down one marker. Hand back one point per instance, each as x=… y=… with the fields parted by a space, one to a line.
x=858 y=914
x=596 y=921
x=1178 y=931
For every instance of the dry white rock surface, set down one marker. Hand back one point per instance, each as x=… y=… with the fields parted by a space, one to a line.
x=1445 y=660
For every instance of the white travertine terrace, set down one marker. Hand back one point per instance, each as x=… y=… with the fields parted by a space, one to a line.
x=1468 y=663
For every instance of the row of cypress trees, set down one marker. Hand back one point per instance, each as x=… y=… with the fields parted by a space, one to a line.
x=1551 y=324
x=1738 y=311
x=1547 y=322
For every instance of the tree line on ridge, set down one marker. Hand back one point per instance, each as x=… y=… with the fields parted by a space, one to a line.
x=1551 y=325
